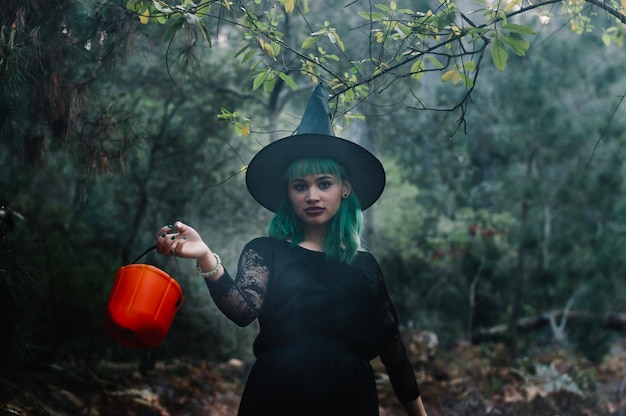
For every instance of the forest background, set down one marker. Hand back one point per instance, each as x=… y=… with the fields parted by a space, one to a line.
x=501 y=127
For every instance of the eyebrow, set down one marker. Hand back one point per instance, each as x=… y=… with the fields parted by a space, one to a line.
x=317 y=178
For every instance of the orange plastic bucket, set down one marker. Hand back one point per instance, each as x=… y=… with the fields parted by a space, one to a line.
x=142 y=305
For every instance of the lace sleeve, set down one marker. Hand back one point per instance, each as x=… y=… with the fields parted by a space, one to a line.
x=241 y=299
x=393 y=354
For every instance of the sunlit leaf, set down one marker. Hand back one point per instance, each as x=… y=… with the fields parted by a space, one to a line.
x=334 y=38
x=512 y=4
x=469 y=66
x=289 y=5
x=162 y=7
x=267 y=48
x=452 y=75
x=144 y=18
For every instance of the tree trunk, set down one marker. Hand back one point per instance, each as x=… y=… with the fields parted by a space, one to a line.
x=521 y=259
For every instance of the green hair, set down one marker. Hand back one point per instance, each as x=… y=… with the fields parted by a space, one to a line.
x=343 y=238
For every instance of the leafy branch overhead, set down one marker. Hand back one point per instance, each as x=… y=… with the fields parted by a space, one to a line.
x=401 y=43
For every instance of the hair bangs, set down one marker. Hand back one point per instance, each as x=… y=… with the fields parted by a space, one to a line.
x=312 y=166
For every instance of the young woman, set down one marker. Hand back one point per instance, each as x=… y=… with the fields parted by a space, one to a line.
x=321 y=301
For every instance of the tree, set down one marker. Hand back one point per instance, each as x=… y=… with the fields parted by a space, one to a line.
x=402 y=43
x=537 y=147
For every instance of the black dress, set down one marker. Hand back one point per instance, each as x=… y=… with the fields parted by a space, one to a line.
x=321 y=322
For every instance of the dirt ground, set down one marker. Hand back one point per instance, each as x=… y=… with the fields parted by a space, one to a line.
x=460 y=380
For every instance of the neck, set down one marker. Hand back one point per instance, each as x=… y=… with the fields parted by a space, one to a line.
x=314 y=239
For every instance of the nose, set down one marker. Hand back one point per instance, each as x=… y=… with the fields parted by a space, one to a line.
x=311 y=195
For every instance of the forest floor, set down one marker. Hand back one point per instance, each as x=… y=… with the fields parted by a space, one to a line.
x=461 y=380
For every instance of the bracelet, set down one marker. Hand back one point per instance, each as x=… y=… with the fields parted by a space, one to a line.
x=213 y=272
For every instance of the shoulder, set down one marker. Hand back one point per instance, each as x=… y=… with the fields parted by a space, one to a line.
x=262 y=242
x=367 y=262
x=262 y=245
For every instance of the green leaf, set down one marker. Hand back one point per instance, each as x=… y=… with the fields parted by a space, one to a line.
x=130 y=5
x=435 y=62
x=175 y=24
x=259 y=80
x=469 y=83
x=248 y=56
x=477 y=31
x=310 y=41
x=519 y=45
x=469 y=66
x=417 y=69
x=288 y=80
x=520 y=29
x=205 y=32
x=242 y=50
x=269 y=84
x=374 y=17
x=499 y=54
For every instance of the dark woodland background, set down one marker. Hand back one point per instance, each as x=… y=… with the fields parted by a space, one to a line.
x=502 y=245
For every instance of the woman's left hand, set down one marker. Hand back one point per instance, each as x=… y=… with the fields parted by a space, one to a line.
x=181 y=240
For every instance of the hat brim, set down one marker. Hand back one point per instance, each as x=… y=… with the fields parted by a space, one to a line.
x=264 y=176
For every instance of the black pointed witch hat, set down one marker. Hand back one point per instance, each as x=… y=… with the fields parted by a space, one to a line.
x=314 y=138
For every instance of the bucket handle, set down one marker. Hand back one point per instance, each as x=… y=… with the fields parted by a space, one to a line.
x=149 y=249
x=144 y=253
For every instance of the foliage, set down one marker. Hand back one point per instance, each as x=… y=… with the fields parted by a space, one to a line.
x=20 y=293
x=107 y=134
x=403 y=43
x=547 y=379
x=543 y=147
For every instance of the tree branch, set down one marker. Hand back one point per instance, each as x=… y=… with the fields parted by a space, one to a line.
x=611 y=321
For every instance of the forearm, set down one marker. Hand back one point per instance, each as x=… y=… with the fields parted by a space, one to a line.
x=415 y=407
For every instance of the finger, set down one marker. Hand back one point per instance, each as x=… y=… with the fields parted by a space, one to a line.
x=180 y=227
x=164 y=230
x=177 y=243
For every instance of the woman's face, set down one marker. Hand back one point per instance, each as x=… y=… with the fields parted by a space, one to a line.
x=316 y=198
